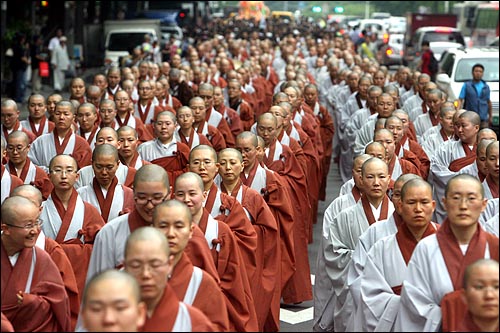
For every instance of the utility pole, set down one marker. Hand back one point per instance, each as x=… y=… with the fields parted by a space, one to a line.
x=367 y=9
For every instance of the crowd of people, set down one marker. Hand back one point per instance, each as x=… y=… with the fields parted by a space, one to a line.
x=181 y=195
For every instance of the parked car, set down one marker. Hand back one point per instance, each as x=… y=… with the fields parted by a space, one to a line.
x=455 y=68
x=391 y=53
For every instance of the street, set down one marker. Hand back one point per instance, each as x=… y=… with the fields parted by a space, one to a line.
x=298 y=318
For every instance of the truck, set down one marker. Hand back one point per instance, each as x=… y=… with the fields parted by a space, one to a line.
x=122 y=36
x=415 y=21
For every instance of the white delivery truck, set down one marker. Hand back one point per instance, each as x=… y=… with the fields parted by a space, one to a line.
x=122 y=36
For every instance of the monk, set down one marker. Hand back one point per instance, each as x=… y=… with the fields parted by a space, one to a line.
x=201 y=126
x=10 y=120
x=125 y=174
x=490 y=183
x=189 y=188
x=147 y=258
x=373 y=206
x=478 y=300
x=104 y=192
x=191 y=284
x=20 y=165
x=323 y=284
x=213 y=117
x=37 y=121
x=439 y=261
x=55 y=251
x=265 y=278
x=112 y=303
x=69 y=220
x=453 y=156
x=280 y=159
x=151 y=187
x=61 y=140
x=88 y=123
x=271 y=187
x=129 y=141
x=165 y=150
x=232 y=117
x=385 y=268
x=125 y=117
x=9 y=182
x=203 y=161
x=185 y=132
x=31 y=284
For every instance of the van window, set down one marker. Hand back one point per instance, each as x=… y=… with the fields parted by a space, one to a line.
x=125 y=41
x=437 y=36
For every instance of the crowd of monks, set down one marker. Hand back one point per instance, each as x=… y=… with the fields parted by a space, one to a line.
x=190 y=187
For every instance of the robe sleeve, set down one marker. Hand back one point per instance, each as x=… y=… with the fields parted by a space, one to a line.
x=82 y=152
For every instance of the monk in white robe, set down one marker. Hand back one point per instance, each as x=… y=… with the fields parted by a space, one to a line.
x=386 y=263
x=346 y=228
x=110 y=198
x=438 y=261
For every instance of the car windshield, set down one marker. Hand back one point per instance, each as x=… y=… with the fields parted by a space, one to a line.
x=464 y=69
x=435 y=36
x=125 y=41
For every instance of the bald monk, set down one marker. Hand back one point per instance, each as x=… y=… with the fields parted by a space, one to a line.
x=129 y=141
x=202 y=127
x=479 y=167
x=112 y=301
x=191 y=284
x=280 y=159
x=490 y=183
x=55 y=251
x=203 y=161
x=125 y=117
x=147 y=246
x=453 y=156
x=189 y=188
x=110 y=198
x=213 y=117
x=265 y=278
x=61 y=140
x=124 y=173
x=386 y=268
x=69 y=220
x=37 y=121
x=88 y=122
x=477 y=303
x=185 y=132
x=10 y=120
x=20 y=165
x=9 y=182
x=439 y=261
x=270 y=186
x=33 y=294
x=373 y=206
x=165 y=150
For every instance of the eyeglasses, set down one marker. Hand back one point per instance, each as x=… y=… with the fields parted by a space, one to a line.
x=138 y=267
x=61 y=171
x=198 y=163
x=17 y=148
x=154 y=201
x=28 y=226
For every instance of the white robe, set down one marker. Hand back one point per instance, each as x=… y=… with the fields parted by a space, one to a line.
x=432 y=143
x=412 y=102
x=43 y=149
x=487 y=191
x=87 y=175
x=427 y=281
x=154 y=149
x=6 y=183
x=492 y=225
x=384 y=268
x=439 y=174
x=30 y=176
x=88 y=194
x=344 y=233
x=365 y=135
x=490 y=211
x=422 y=124
x=26 y=124
x=52 y=221
x=323 y=288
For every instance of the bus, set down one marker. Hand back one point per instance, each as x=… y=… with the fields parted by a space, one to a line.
x=485 y=27
x=465 y=12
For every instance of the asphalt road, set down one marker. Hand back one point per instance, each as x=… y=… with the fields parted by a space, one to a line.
x=298 y=318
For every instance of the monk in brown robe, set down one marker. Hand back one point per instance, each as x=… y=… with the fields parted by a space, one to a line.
x=191 y=284
x=148 y=259
x=33 y=294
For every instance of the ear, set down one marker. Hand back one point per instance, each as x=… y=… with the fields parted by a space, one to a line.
x=141 y=314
